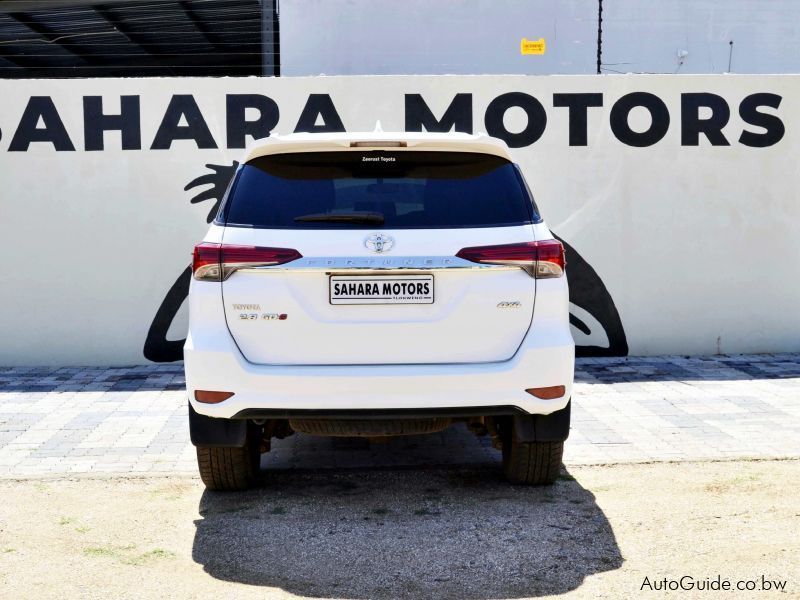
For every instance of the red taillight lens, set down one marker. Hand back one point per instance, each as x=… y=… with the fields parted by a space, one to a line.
x=205 y=262
x=543 y=260
x=550 y=260
x=216 y=262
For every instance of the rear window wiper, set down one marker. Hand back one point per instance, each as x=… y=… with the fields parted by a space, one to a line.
x=351 y=217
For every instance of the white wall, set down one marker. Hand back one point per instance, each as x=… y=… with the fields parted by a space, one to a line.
x=645 y=36
x=385 y=37
x=696 y=246
x=354 y=37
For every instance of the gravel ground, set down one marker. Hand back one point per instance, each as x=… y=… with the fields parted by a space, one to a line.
x=402 y=533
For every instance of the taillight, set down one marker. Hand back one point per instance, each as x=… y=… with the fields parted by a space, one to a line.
x=205 y=261
x=550 y=260
x=543 y=260
x=216 y=262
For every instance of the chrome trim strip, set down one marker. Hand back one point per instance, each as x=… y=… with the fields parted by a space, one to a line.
x=370 y=263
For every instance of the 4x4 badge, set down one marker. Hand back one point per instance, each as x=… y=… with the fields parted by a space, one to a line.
x=379 y=242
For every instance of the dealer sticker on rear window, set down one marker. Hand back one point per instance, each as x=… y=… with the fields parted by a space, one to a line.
x=397 y=289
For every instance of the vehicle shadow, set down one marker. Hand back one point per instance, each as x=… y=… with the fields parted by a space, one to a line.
x=459 y=532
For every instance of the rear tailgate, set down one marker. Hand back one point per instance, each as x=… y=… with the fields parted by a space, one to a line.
x=378 y=281
x=287 y=314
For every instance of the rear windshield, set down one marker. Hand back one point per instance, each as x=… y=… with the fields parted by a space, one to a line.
x=369 y=189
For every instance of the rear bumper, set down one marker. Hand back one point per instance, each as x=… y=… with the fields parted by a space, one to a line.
x=213 y=362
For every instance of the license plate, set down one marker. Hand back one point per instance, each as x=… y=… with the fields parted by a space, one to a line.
x=397 y=289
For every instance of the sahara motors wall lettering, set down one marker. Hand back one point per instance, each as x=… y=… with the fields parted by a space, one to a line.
x=674 y=196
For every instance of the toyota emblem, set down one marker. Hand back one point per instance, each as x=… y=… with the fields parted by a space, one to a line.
x=379 y=242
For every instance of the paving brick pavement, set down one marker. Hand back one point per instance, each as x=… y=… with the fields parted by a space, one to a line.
x=133 y=419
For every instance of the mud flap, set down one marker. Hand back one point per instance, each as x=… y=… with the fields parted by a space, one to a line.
x=216 y=433
x=543 y=428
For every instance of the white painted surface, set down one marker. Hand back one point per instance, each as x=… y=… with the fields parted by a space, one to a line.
x=693 y=36
x=357 y=37
x=697 y=245
x=383 y=37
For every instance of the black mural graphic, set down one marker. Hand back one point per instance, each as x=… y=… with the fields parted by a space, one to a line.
x=156 y=346
x=592 y=310
x=218 y=179
x=588 y=292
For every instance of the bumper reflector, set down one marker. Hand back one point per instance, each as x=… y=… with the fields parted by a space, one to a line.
x=207 y=397
x=547 y=393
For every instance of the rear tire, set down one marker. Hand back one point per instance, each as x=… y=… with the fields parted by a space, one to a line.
x=231 y=469
x=531 y=463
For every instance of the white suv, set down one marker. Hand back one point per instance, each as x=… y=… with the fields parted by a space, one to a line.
x=378 y=284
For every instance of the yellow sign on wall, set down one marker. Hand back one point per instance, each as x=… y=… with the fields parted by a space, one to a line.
x=527 y=46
